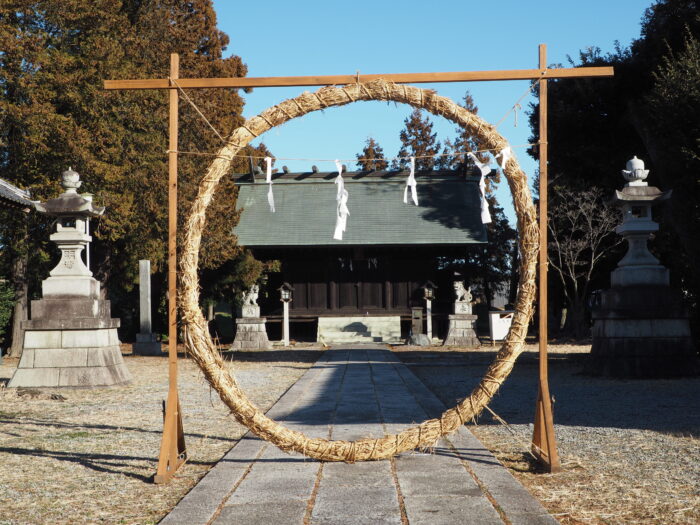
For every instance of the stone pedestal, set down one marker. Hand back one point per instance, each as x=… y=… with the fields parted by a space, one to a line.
x=250 y=334
x=249 y=310
x=70 y=342
x=641 y=332
x=461 y=331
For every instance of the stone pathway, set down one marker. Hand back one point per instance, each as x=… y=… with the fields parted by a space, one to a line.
x=350 y=393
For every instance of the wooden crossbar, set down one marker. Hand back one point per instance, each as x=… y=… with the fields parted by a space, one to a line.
x=329 y=80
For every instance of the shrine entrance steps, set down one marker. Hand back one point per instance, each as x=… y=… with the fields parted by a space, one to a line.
x=350 y=393
x=359 y=329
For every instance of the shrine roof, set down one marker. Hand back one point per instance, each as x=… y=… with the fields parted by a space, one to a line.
x=13 y=197
x=449 y=210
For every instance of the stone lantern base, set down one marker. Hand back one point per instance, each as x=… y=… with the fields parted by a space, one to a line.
x=70 y=342
x=641 y=332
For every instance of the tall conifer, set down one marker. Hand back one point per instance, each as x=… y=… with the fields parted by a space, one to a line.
x=372 y=157
x=418 y=140
x=54 y=114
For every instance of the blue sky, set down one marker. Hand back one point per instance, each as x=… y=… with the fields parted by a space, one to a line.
x=281 y=38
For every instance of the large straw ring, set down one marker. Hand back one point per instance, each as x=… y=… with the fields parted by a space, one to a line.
x=204 y=352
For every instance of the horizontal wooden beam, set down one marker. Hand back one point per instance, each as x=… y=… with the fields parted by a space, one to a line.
x=399 y=78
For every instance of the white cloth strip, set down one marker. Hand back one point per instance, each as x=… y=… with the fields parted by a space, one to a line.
x=268 y=170
x=485 y=214
x=505 y=154
x=485 y=170
x=341 y=198
x=268 y=179
x=411 y=183
x=339 y=179
x=341 y=216
x=484 y=167
x=270 y=198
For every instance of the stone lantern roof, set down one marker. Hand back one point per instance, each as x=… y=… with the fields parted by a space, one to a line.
x=70 y=202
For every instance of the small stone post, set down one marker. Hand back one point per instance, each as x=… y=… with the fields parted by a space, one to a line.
x=417 y=338
x=429 y=318
x=286 y=298
x=146 y=341
x=285 y=324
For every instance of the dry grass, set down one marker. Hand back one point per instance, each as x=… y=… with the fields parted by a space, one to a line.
x=626 y=477
x=88 y=458
x=630 y=449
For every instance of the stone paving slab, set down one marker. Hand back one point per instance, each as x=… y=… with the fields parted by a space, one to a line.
x=355 y=392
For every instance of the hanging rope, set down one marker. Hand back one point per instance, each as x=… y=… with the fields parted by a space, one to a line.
x=514 y=108
x=308 y=159
x=188 y=99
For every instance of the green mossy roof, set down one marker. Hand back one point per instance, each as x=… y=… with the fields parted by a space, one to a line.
x=448 y=211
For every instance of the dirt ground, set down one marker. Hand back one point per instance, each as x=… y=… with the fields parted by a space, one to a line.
x=630 y=450
x=87 y=455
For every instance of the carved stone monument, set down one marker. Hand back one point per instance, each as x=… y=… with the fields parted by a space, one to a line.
x=146 y=341
x=71 y=340
x=250 y=327
x=461 y=330
x=640 y=326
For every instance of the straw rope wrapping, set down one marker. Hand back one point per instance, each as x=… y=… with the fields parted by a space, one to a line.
x=204 y=352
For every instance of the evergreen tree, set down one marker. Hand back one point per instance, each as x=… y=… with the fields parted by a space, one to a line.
x=55 y=114
x=649 y=109
x=465 y=142
x=372 y=157
x=417 y=140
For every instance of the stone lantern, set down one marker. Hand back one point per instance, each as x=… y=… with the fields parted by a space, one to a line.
x=71 y=339
x=286 y=297
x=636 y=200
x=640 y=326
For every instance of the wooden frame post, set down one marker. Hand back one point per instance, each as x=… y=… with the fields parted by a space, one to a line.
x=172 y=446
x=544 y=445
x=172 y=451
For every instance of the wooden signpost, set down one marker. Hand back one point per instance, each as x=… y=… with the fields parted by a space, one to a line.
x=172 y=450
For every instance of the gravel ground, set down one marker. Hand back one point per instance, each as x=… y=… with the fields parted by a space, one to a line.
x=86 y=455
x=630 y=450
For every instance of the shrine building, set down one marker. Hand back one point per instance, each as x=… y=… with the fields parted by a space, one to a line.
x=360 y=288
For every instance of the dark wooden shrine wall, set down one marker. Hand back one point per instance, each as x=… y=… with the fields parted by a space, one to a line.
x=377 y=281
